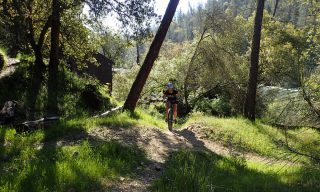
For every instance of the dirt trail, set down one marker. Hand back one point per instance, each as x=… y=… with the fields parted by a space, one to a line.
x=158 y=145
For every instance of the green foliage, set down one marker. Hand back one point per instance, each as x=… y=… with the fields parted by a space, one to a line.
x=115 y=47
x=78 y=41
x=70 y=88
x=218 y=106
x=281 y=56
x=3 y=59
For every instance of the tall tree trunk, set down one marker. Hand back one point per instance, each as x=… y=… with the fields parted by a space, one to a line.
x=136 y=89
x=52 y=105
x=38 y=69
x=138 y=53
x=275 y=8
x=37 y=77
x=250 y=104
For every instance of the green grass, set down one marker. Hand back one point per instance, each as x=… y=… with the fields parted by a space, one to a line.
x=199 y=171
x=258 y=137
x=34 y=162
x=27 y=167
x=138 y=118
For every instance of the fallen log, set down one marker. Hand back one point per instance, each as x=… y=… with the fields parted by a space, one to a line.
x=109 y=112
x=37 y=124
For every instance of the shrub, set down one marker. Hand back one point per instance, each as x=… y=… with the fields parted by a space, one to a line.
x=71 y=86
x=218 y=106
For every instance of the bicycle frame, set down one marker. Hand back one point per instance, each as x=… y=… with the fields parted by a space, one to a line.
x=170 y=116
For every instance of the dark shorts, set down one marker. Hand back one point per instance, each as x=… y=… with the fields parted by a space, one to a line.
x=173 y=101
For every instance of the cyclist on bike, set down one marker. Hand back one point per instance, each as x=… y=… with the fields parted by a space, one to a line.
x=171 y=94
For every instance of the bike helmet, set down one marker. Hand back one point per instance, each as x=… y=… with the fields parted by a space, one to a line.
x=170 y=86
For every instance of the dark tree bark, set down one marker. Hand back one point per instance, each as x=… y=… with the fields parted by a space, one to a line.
x=136 y=89
x=138 y=53
x=250 y=104
x=38 y=70
x=52 y=105
x=275 y=8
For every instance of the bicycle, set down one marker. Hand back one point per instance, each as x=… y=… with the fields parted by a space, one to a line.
x=170 y=116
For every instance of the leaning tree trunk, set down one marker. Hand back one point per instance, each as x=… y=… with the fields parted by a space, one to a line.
x=250 y=104
x=52 y=105
x=138 y=52
x=136 y=89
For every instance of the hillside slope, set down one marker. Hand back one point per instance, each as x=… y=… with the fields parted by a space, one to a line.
x=131 y=153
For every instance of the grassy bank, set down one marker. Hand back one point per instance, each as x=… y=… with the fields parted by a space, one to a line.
x=29 y=164
x=37 y=161
x=81 y=168
x=198 y=171
x=259 y=138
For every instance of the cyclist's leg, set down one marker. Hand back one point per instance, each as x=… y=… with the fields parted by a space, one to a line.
x=167 y=110
x=175 y=111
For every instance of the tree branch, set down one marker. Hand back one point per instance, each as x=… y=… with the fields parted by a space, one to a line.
x=44 y=31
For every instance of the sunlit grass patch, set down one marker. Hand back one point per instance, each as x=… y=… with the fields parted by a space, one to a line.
x=32 y=162
x=199 y=171
x=257 y=137
x=122 y=120
x=63 y=168
x=127 y=119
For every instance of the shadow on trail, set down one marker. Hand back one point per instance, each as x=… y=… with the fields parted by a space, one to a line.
x=190 y=136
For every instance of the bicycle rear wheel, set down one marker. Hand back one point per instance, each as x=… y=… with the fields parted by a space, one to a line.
x=170 y=119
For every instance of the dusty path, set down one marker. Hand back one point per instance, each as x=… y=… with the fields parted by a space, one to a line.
x=158 y=145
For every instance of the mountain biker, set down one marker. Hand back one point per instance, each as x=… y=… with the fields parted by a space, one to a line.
x=171 y=94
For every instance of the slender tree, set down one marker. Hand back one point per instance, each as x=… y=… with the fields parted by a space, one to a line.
x=275 y=8
x=52 y=105
x=152 y=55
x=250 y=103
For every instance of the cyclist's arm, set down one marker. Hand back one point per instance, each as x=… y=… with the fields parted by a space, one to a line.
x=165 y=95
